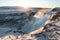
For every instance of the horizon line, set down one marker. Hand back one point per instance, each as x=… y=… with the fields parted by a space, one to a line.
x=36 y=6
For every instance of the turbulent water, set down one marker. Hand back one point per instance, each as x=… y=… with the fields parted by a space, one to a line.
x=35 y=24
x=15 y=25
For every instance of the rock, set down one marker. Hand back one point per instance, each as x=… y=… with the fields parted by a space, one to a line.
x=13 y=22
x=0 y=38
x=5 y=38
x=19 y=38
x=58 y=32
x=12 y=37
x=58 y=24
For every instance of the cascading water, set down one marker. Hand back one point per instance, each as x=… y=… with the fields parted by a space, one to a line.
x=35 y=23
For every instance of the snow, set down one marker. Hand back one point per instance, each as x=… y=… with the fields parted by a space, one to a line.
x=19 y=27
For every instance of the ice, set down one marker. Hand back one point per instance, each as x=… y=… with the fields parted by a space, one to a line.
x=17 y=27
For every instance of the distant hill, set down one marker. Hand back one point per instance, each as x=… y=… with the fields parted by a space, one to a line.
x=56 y=9
x=8 y=7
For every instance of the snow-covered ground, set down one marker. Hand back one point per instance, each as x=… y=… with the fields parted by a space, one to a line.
x=17 y=27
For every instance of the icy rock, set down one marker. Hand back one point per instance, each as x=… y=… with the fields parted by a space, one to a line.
x=26 y=37
x=58 y=23
x=19 y=38
x=12 y=37
x=0 y=38
x=58 y=32
x=6 y=37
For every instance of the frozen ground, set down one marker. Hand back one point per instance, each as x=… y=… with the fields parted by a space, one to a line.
x=10 y=29
x=13 y=32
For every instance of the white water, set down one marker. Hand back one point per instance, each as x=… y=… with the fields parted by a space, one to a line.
x=7 y=29
x=35 y=23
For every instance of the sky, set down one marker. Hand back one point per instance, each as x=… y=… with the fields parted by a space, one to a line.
x=31 y=3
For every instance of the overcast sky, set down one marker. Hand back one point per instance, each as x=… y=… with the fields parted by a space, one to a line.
x=31 y=3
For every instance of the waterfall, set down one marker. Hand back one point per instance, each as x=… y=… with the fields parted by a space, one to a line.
x=35 y=23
